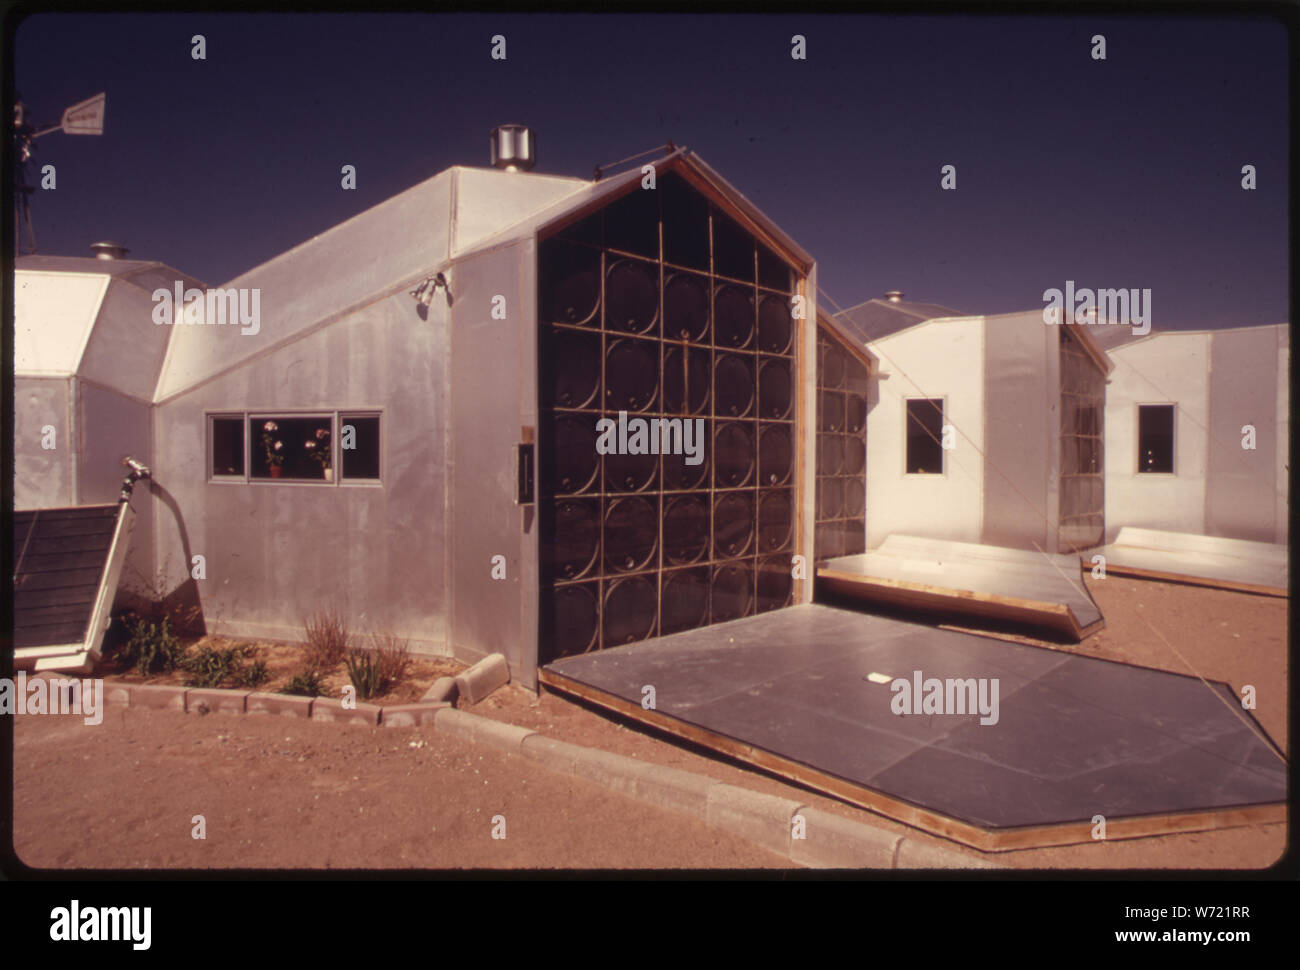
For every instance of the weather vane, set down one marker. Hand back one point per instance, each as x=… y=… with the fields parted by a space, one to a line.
x=85 y=118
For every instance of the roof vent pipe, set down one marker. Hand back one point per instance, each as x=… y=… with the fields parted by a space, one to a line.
x=894 y=296
x=514 y=148
x=109 y=250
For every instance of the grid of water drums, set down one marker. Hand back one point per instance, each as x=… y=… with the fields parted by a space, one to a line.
x=841 y=528
x=662 y=308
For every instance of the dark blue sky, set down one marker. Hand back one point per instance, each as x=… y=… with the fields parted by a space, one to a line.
x=1122 y=173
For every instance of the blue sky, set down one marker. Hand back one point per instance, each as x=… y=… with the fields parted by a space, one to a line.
x=1117 y=173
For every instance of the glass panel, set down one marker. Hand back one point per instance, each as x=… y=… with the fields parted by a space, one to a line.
x=359 y=445
x=290 y=448
x=228 y=446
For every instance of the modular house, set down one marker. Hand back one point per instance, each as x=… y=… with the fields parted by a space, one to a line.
x=405 y=417
x=982 y=429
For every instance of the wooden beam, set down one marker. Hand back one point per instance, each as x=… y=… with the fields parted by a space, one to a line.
x=897 y=592
x=1114 y=570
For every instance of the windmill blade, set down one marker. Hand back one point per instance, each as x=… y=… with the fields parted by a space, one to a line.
x=86 y=118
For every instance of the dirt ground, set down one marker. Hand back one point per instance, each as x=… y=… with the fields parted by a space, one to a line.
x=280 y=793
x=283 y=793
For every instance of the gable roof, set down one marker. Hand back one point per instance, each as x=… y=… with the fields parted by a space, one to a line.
x=452 y=216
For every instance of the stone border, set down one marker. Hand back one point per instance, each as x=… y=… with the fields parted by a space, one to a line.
x=828 y=841
x=210 y=700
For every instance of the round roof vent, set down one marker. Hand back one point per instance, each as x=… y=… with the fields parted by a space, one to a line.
x=109 y=250
x=514 y=148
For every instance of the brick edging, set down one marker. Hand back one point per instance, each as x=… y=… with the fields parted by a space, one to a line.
x=829 y=841
x=223 y=700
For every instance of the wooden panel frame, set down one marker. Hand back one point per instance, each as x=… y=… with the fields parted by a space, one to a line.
x=896 y=592
x=1187 y=580
x=931 y=822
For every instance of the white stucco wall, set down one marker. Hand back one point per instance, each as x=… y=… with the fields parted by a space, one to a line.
x=1168 y=368
x=937 y=359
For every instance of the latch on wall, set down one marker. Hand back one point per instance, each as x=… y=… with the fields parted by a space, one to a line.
x=524 y=468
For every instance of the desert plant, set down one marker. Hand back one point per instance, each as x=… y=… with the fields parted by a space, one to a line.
x=251 y=675
x=328 y=639
x=215 y=666
x=308 y=683
x=364 y=672
x=151 y=647
x=380 y=668
x=394 y=657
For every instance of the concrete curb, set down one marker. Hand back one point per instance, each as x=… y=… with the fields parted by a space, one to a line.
x=410 y=715
x=285 y=705
x=481 y=729
x=215 y=700
x=805 y=835
x=332 y=709
x=483 y=678
x=206 y=700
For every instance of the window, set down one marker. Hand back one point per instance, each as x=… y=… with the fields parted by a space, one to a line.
x=295 y=447
x=359 y=446
x=228 y=446
x=290 y=447
x=925 y=436
x=1155 y=438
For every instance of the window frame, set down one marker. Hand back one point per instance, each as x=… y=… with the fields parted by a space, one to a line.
x=336 y=442
x=212 y=418
x=943 y=419
x=1173 y=438
x=335 y=416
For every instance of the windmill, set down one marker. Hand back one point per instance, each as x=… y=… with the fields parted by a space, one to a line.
x=84 y=118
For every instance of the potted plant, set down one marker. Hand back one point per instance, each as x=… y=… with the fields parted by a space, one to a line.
x=319 y=449
x=274 y=449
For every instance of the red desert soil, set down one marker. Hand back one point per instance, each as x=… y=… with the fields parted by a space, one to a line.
x=286 y=793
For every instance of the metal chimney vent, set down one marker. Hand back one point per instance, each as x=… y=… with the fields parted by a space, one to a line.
x=514 y=148
x=894 y=296
x=109 y=250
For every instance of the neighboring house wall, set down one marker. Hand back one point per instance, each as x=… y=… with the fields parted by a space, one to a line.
x=1243 y=497
x=1020 y=420
x=937 y=359
x=1166 y=369
x=87 y=356
x=1220 y=381
x=44 y=478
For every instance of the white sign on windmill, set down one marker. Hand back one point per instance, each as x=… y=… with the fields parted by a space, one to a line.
x=86 y=118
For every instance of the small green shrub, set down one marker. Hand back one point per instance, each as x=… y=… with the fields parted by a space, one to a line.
x=308 y=683
x=151 y=648
x=218 y=666
x=252 y=675
x=364 y=672
x=379 y=669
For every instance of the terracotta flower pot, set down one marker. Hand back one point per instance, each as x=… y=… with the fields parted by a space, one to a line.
x=277 y=471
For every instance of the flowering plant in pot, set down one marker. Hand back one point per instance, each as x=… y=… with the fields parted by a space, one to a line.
x=274 y=449
x=319 y=449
